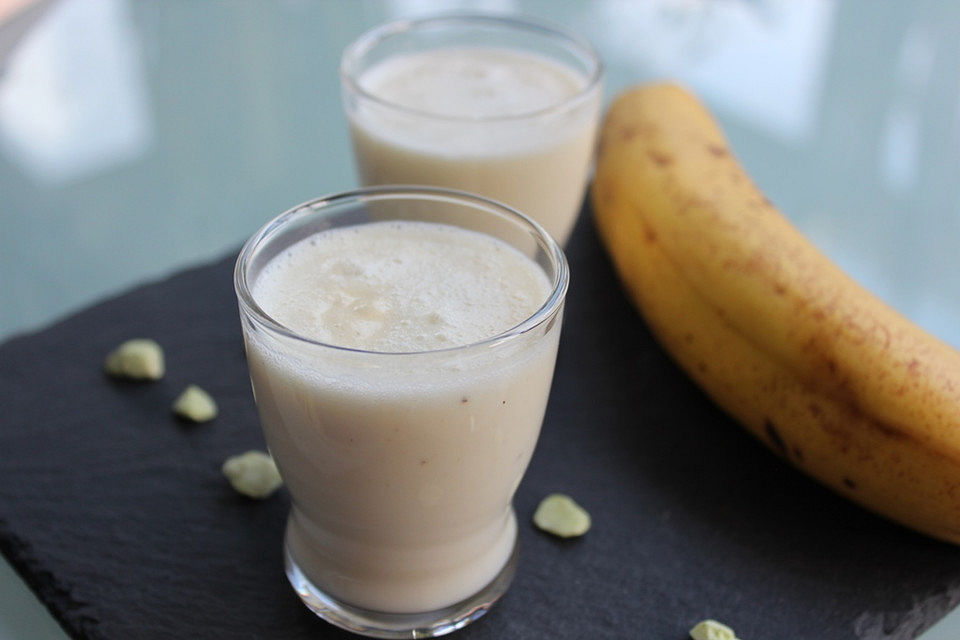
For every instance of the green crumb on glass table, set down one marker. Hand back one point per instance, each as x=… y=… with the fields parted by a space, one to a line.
x=712 y=630
x=253 y=474
x=560 y=515
x=138 y=359
x=195 y=404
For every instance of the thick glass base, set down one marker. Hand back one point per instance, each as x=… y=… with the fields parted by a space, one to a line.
x=374 y=624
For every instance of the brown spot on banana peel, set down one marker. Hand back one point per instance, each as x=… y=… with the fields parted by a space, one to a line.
x=775 y=439
x=891 y=431
x=717 y=150
x=660 y=159
x=604 y=194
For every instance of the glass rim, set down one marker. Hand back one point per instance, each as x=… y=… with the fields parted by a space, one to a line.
x=370 y=38
x=547 y=310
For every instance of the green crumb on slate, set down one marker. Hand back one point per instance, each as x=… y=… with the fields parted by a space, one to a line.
x=712 y=630
x=195 y=404
x=560 y=515
x=254 y=474
x=138 y=359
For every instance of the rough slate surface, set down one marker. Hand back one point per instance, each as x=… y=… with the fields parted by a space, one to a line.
x=117 y=515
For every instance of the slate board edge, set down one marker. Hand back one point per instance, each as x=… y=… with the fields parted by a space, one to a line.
x=51 y=592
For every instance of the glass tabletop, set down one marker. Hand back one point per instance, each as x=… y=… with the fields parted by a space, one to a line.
x=137 y=138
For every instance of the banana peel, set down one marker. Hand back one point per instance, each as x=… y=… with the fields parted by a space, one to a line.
x=823 y=372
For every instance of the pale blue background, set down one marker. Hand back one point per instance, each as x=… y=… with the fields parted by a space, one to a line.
x=140 y=137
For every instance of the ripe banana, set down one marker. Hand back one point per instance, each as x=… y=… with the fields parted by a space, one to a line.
x=823 y=372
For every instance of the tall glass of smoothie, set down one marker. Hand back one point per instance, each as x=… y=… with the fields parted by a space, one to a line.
x=502 y=107
x=401 y=344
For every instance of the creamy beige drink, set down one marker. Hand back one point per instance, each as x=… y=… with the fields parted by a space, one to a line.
x=506 y=123
x=401 y=465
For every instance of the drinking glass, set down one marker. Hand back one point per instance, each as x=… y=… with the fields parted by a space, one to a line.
x=401 y=466
x=536 y=160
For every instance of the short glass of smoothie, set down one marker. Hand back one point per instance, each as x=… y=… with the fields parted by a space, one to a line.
x=401 y=344
x=503 y=107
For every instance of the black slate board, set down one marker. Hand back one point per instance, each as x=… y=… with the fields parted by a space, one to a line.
x=118 y=517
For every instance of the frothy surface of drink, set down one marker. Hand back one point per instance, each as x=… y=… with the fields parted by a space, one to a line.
x=474 y=82
x=400 y=286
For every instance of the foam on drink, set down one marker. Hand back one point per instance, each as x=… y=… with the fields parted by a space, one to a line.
x=477 y=82
x=400 y=287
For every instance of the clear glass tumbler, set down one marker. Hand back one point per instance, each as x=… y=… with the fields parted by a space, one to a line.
x=535 y=159
x=401 y=466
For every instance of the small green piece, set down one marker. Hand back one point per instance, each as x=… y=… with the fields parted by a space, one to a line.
x=195 y=404
x=138 y=359
x=560 y=515
x=254 y=474
x=712 y=630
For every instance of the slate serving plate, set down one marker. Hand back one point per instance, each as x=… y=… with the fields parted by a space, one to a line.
x=117 y=515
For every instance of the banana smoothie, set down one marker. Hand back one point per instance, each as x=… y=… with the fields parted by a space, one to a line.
x=401 y=444
x=509 y=124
